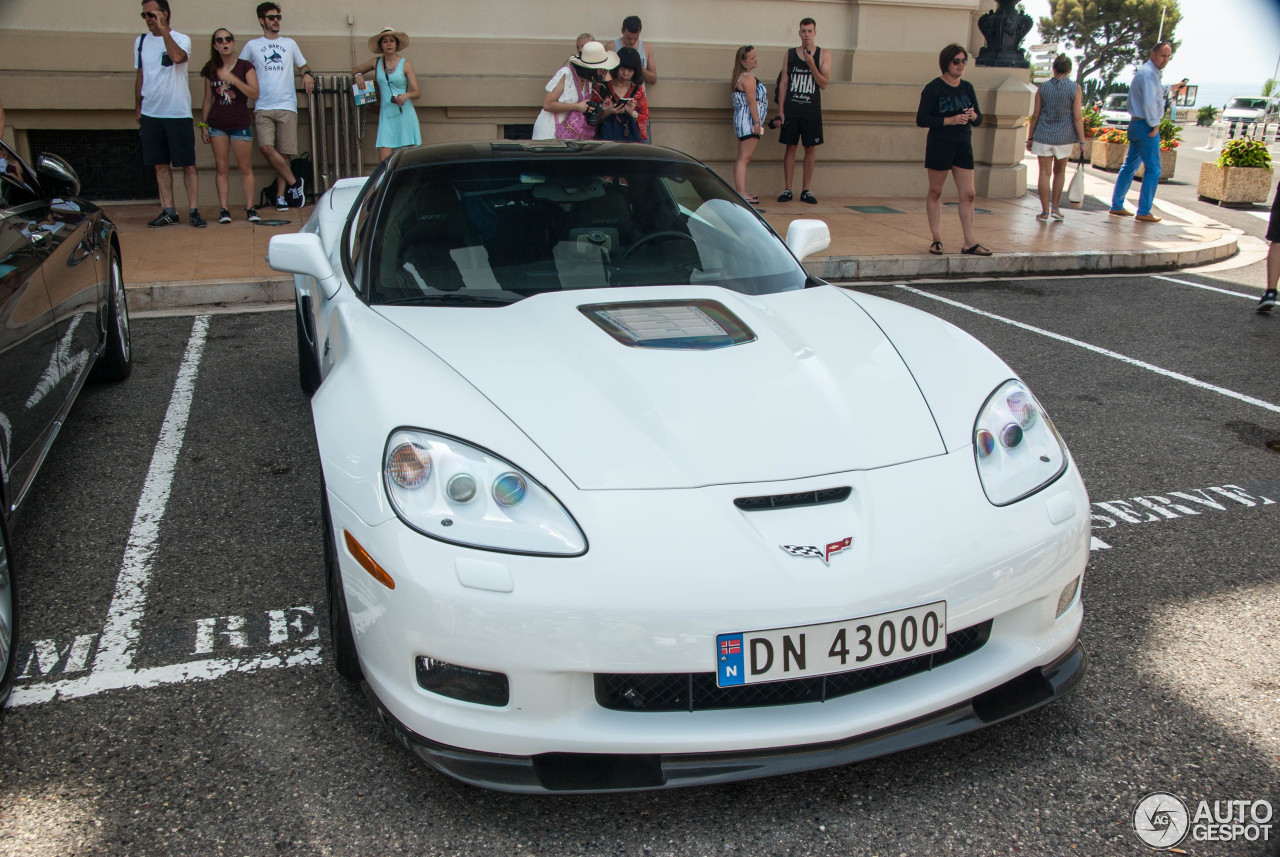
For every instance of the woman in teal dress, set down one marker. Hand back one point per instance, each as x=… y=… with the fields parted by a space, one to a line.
x=397 y=90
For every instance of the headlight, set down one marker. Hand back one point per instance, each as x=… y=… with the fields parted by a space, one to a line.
x=458 y=493
x=1016 y=446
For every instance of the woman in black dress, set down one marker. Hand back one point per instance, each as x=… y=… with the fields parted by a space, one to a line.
x=949 y=109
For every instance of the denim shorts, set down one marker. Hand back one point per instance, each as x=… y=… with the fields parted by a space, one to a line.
x=238 y=134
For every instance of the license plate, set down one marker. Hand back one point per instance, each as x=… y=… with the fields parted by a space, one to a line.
x=751 y=657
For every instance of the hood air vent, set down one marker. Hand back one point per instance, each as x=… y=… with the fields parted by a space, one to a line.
x=790 y=501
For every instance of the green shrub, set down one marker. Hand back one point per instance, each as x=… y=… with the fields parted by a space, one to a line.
x=1245 y=153
x=1206 y=115
x=1170 y=134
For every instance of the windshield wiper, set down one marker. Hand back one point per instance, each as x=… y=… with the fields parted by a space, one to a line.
x=452 y=298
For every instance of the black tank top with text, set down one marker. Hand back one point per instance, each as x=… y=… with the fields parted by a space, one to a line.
x=803 y=95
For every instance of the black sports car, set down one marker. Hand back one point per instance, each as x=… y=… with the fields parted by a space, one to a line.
x=63 y=319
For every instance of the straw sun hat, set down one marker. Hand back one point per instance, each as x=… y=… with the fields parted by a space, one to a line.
x=375 y=42
x=595 y=56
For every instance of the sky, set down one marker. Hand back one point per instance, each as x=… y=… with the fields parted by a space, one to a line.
x=1234 y=42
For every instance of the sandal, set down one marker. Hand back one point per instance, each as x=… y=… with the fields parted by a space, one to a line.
x=936 y=248
x=1056 y=215
x=976 y=250
x=1043 y=216
x=752 y=199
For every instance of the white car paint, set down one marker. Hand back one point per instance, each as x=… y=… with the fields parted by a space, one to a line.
x=647 y=450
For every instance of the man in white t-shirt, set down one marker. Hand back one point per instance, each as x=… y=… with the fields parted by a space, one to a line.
x=164 y=109
x=275 y=117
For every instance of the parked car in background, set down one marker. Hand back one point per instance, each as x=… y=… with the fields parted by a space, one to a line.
x=62 y=319
x=1115 y=111
x=1243 y=111
x=617 y=496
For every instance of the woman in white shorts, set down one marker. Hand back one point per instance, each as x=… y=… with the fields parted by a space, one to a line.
x=1056 y=126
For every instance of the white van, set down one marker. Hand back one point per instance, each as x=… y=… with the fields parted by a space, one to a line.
x=1245 y=110
x=1115 y=111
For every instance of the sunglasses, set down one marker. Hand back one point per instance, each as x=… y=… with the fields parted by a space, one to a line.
x=273 y=17
x=959 y=61
x=223 y=40
x=147 y=16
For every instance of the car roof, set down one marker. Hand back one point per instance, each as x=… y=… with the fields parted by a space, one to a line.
x=505 y=150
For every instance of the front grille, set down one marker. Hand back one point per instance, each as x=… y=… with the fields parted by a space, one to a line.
x=698 y=691
x=788 y=501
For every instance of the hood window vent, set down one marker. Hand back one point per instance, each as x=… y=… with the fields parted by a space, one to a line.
x=790 y=501
x=685 y=325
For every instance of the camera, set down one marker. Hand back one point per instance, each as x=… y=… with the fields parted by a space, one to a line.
x=593 y=113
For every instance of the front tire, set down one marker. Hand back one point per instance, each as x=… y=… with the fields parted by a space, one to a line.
x=8 y=617
x=345 y=659
x=116 y=361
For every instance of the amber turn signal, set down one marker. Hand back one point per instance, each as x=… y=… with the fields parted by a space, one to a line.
x=367 y=562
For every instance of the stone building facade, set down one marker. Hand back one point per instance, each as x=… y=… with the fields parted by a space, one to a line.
x=66 y=66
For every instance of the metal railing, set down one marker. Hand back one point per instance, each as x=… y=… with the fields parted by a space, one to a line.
x=337 y=131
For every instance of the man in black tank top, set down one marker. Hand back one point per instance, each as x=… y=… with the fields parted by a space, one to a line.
x=805 y=73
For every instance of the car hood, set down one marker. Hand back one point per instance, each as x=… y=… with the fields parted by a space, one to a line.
x=1243 y=113
x=819 y=390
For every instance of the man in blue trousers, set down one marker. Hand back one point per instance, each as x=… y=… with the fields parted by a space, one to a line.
x=1146 y=109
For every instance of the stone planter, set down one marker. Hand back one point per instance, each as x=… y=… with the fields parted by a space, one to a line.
x=1108 y=156
x=1168 y=163
x=1234 y=184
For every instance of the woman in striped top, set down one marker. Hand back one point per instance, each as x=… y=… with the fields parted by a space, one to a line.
x=1056 y=125
x=750 y=104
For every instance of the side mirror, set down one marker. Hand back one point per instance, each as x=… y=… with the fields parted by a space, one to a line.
x=302 y=253
x=56 y=176
x=806 y=237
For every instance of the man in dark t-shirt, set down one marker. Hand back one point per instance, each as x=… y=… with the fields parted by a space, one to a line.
x=805 y=73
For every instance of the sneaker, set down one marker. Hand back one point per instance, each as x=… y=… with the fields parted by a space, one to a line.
x=1268 y=301
x=196 y=220
x=297 y=196
x=785 y=196
x=224 y=216
x=282 y=204
x=166 y=218
x=252 y=214
x=807 y=196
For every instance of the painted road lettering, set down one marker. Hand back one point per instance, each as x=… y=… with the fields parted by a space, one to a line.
x=1170 y=505
x=294 y=625
x=48 y=657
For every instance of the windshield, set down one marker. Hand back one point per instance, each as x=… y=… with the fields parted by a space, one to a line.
x=1117 y=102
x=493 y=232
x=1247 y=104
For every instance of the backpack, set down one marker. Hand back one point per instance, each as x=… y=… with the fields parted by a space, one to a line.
x=302 y=169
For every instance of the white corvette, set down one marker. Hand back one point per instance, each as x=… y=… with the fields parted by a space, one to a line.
x=617 y=497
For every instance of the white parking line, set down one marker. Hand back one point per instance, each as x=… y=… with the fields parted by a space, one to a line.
x=1253 y=297
x=1151 y=367
x=203 y=670
x=120 y=633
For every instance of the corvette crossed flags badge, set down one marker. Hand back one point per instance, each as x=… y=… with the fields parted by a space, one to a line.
x=817 y=552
